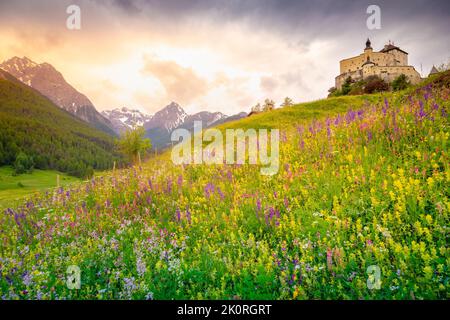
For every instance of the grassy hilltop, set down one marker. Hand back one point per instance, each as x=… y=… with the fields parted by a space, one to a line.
x=363 y=184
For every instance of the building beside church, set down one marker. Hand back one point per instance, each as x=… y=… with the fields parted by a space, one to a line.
x=433 y=71
x=387 y=64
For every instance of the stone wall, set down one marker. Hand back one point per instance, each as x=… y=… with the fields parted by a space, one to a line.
x=387 y=65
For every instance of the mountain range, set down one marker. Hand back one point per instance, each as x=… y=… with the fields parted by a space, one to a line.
x=160 y=125
x=123 y=119
x=48 y=81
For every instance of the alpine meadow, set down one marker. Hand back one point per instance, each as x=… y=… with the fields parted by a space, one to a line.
x=364 y=182
x=224 y=159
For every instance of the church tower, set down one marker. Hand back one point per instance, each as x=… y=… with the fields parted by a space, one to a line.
x=368 y=48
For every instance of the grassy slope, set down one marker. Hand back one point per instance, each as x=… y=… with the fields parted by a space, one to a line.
x=372 y=192
x=38 y=181
x=287 y=118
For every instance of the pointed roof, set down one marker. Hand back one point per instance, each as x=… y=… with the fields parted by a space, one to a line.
x=390 y=47
x=433 y=71
x=368 y=44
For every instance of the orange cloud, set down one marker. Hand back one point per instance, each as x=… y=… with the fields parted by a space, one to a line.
x=180 y=83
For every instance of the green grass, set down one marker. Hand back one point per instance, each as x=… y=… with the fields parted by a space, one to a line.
x=14 y=188
x=291 y=116
x=369 y=188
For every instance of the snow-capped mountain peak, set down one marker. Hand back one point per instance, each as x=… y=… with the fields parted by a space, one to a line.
x=170 y=117
x=125 y=118
x=160 y=126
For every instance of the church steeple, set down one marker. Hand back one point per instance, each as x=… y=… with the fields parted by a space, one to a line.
x=368 y=44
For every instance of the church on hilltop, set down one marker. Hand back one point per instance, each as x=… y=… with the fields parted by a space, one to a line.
x=387 y=64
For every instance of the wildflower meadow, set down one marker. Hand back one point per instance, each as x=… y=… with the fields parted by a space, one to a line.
x=361 y=186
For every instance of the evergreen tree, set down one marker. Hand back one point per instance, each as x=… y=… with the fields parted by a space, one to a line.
x=268 y=105
x=347 y=86
x=23 y=163
x=257 y=108
x=287 y=102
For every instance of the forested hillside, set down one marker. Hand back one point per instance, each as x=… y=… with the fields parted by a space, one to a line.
x=32 y=125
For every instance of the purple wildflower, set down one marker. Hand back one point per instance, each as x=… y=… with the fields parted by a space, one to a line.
x=302 y=144
x=271 y=212
x=337 y=120
x=386 y=106
x=188 y=215
x=222 y=196
x=421 y=111
x=209 y=189
x=360 y=114
x=27 y=278
x=350 y=116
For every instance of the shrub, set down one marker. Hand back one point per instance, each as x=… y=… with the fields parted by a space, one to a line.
x=400 y=83
x=334 y=92
x=375 y=84
x=357 y=88
x=23 y=163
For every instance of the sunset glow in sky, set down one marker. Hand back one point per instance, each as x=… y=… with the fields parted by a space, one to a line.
x=213 y=55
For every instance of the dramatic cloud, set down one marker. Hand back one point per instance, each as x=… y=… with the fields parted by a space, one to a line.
x=210 y=54
x=181 y=84
x=268 y=84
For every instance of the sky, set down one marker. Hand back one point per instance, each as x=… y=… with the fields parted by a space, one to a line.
x=214 y=55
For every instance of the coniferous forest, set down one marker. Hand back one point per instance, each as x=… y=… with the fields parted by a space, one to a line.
x=48 y=136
